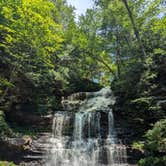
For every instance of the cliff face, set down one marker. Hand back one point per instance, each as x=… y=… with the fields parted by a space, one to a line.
x=83 y=132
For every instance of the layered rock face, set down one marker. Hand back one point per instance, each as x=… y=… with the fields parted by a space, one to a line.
x=83 y=133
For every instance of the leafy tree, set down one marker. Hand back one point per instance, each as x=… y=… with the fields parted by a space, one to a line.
x=155 y=145
x=30 y=38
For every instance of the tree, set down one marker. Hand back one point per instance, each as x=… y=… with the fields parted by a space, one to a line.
x=30 y=38
x=137 y=35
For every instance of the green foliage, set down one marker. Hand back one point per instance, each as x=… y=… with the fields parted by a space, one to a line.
x=139 y=82
x=45 y=54
x=28 y=32
x=30 y=40
x=138 y=146
x=4 y=83
x=155 y=145
x=4 y=128
x=6 y=163
x=156 y=138
x=153 y=161
x=43 y=49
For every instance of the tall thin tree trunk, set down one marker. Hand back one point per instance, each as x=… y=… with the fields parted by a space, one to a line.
x=118 y=58
x=136 y=32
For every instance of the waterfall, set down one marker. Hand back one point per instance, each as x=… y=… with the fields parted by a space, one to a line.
x=84 y=133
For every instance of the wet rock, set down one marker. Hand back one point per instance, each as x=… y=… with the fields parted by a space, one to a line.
x=70 y=105
x=103 y=157
x=28 y=119
x=13 y=148
x=76 y=96
x=18 y=143
x=32 y=163
x=68 y=125
x=35 y=155
x=73 y=102
x=66 y=120
x=104 y=124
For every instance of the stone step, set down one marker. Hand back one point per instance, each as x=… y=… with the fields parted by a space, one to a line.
x=33 y=157
x=37 y=152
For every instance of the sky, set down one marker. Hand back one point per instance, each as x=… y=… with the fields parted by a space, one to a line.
x=81 y=5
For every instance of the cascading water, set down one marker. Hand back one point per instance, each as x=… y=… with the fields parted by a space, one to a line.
x=91 y=139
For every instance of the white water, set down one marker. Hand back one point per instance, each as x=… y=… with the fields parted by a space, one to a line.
x=87 y=145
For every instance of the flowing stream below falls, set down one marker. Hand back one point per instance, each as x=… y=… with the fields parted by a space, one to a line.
x=84 y=134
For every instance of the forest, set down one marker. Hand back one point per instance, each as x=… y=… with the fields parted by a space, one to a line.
x=48 y=56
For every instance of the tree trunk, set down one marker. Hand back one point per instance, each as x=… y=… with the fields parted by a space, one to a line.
x=118 y=58
x=136 y=32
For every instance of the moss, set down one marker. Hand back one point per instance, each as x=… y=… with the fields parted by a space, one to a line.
x=6 y=163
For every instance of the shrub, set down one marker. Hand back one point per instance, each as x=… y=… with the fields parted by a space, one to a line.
x=153 y=161
x=4 y=128
x=155 y=145
x=156 y=138
x=5 y=163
